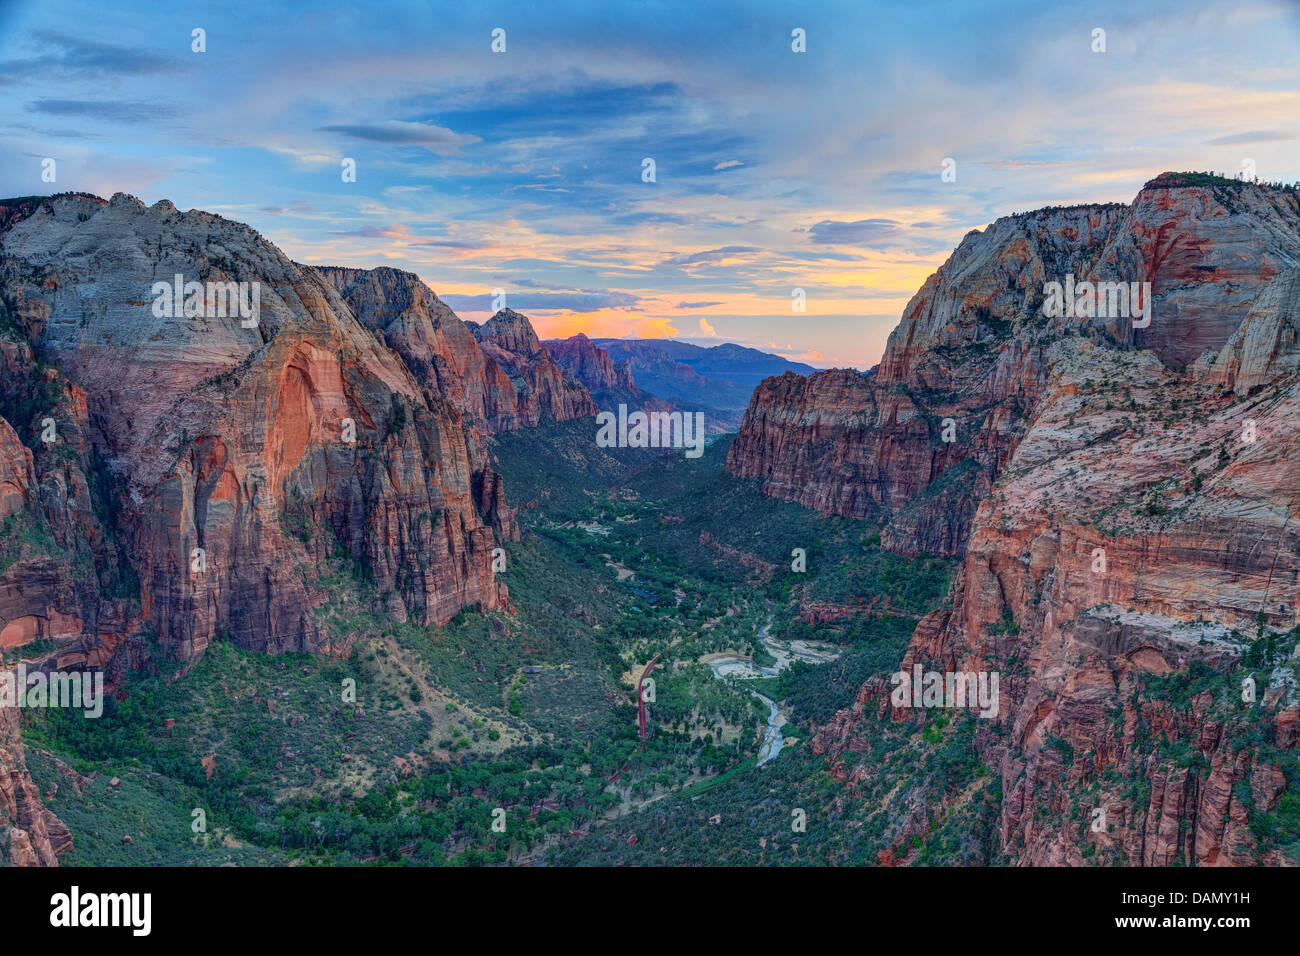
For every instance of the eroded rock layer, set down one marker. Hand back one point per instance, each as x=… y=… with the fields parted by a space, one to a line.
x=1130 y=537
x=174 y=470
x=918 y=441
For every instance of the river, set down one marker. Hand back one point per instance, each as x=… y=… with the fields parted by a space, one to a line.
x=732 y=667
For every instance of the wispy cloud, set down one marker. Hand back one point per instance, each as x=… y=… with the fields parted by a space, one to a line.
x=69 y=56
x=544 y=301
x=1258 y=136
x=859 y=233
x=438 y=139
x=710 y=256
x=111 y=111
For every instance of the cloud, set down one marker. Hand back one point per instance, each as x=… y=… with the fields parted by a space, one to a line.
x=729 y=164
x=104 y=173
x=545 y=301
x=437 y=139
x=305 y=157
x=651 y=218
x=706 y=329
x=1021 y=163
x=532 y=284
x=826 y=255
x=709 y=255
x=1257 y=136
x=860 y=232
x=113 y=111
x=77 y=57
x=392 y=231
x=403 y=236
x=696 y=305
x=50 y=133
x=808 y=358
x=295 y=207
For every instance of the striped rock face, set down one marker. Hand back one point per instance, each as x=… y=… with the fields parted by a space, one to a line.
x=235 y=453
x=1127 y=509
x=972 y=349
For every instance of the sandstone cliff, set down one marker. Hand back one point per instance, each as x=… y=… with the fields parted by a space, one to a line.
x=543 y=390
x=232 y=439
x=30 y=835
x=971 y=351
x=610 y=383
x=174 y=476
x=497 y=374
x=591 y=366
x=1132 y=558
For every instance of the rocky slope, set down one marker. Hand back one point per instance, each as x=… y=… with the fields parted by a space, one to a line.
x=591 y=366
x=497 y=374
x=232 y=439
x=169 y=479
x=1135 y=557
x=971 y=351
x=544 y=391
x=30 y=835
x=611 y=383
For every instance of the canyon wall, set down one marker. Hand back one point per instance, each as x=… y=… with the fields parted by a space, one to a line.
x=1133 y=560
x=592 y=366
x=498 y=374
x=969 y=357
x=171 y=476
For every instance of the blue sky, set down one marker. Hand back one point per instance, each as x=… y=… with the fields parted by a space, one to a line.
x=522 y=170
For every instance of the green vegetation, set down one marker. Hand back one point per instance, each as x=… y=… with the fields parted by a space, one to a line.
x=525 y=716
x=1177 y=180
x=528 y=710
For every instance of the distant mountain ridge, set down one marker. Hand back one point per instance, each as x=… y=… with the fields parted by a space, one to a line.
x=721 y=377
x=612 y=384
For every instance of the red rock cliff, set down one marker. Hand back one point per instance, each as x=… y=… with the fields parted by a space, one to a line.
x=269 y=445
x=972 y=344
x=497 y=374
x=590 y=365
x=196 y=472
x=1141 y=525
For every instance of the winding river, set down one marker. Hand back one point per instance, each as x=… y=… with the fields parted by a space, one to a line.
x=733 y=667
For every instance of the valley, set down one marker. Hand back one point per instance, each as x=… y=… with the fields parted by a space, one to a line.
x=366 y=585
x=530 y=707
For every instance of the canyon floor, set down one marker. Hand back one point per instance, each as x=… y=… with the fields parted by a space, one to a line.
x=528 y=707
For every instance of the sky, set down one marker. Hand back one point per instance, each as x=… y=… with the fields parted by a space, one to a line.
x=524 y=170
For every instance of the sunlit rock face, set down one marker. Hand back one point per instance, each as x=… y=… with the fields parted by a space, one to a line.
x=1124 y=501
x=194 y=466
x=972 y=347
x=264 y=446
